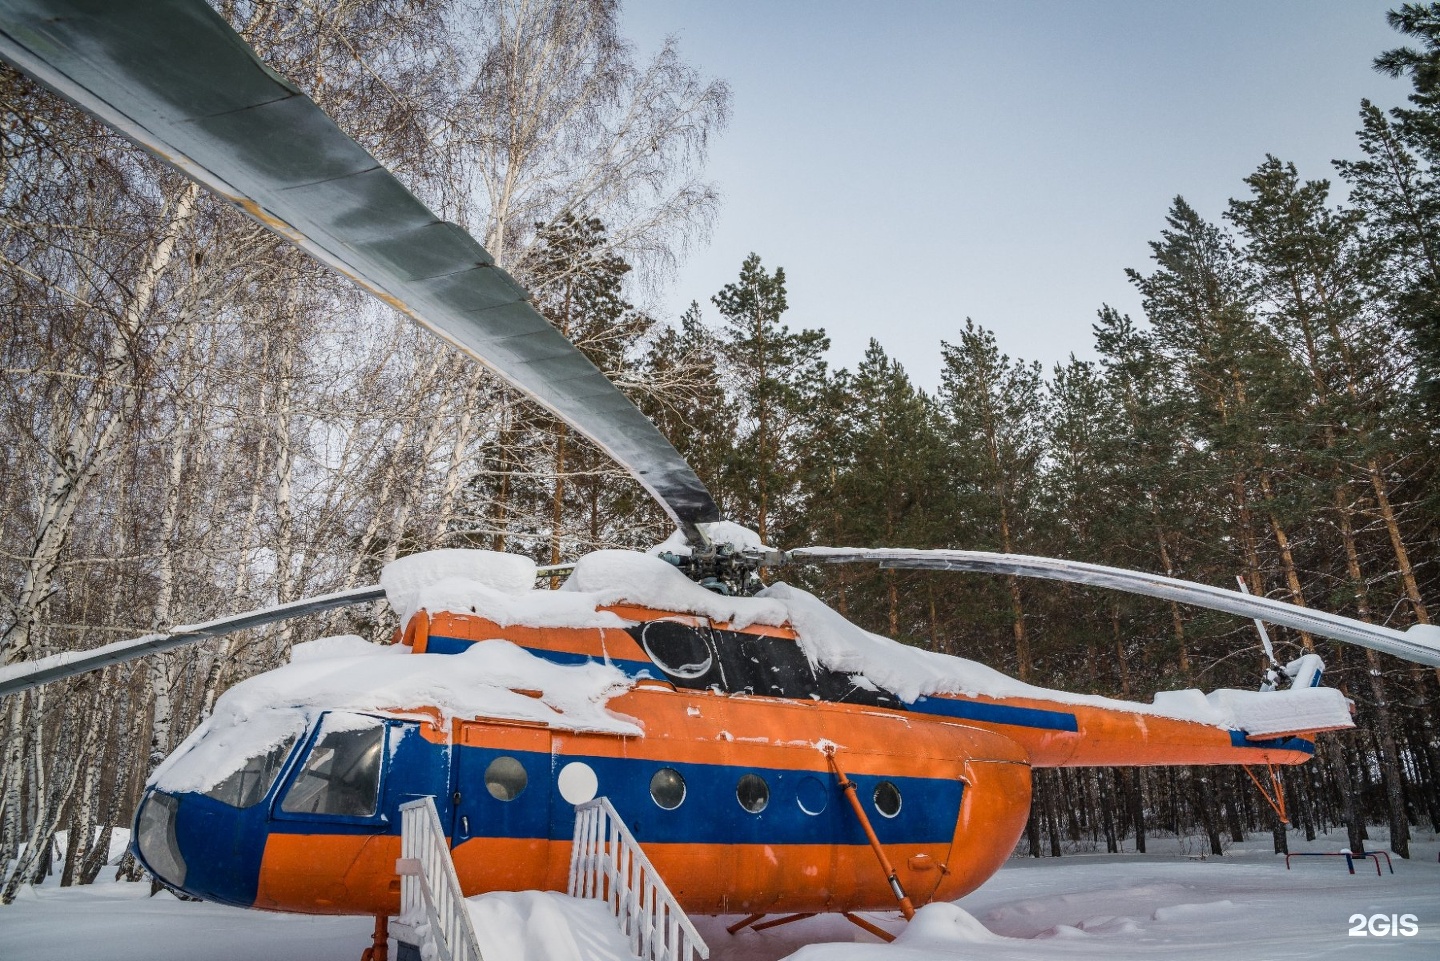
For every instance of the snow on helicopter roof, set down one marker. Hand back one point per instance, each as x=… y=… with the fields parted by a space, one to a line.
x=500 y=588
x=349 y=673
x=911 y=672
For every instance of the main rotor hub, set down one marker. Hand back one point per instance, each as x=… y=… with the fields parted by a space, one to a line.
x=725 y=568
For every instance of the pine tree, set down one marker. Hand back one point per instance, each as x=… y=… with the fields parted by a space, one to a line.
x=1084 y=433
x=686 y=398
x=994 y=407
x=1155 y=500
x=887 y=458
x=775 y=375
x=1404 y=195
x=1315 y=270
x=1201 y=300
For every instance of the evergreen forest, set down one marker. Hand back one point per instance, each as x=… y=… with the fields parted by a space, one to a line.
x=197 y=420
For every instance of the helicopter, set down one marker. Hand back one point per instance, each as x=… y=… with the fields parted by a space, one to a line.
x=768 y=755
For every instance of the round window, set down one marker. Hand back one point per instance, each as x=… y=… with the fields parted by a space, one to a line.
x=811 y=795
x=887 y=799
x=505 y=778
x=753 y=793
x=678 y=649
x=667 y=788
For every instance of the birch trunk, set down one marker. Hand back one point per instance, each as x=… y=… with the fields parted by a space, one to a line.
x=81 y=454
x=163 y=667
x=435 y=389
x=77 y=461
x=450 y=487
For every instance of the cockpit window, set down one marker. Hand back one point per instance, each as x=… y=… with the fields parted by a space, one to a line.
x=249 y=784
x=342 y=772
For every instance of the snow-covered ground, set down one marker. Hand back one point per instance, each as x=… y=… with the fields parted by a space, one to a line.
x=1242 y=907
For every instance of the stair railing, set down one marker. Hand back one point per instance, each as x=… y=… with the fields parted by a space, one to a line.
x=432 y=906
x=607 y=864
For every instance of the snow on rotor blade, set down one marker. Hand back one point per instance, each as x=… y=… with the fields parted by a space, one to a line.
x=176 y=79
x=1420 y=644
x=27 y=674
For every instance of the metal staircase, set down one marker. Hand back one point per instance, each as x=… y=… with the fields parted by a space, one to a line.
x=433 y=915
x=607 y=864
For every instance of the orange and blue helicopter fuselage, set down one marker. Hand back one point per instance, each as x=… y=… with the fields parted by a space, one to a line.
x=732 y=790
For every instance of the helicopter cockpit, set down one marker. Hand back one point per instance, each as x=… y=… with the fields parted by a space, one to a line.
x=237 y=784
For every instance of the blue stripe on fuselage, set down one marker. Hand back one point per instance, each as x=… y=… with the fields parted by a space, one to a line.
x=439 y=644
x=1240 y=739
x=996 y=713
x=711 y=812
x=941 y=706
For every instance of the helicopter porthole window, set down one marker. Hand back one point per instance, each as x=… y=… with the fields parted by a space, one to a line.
x=667 y=788
x=342 y=772
x=887 y=799
x=505 y=779
x=753 y=793
x=811 y=795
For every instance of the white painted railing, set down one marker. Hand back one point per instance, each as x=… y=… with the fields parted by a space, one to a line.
x=432 y=906
x=607 y=864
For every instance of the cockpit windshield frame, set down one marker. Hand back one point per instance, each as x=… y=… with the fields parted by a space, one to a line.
x=301 y=763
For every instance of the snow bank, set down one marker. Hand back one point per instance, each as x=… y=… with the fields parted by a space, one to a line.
x=341 y=645
x=542 y=926
x=830 y=640
x=944 y=924
x=481 y=681
x=1194 y=912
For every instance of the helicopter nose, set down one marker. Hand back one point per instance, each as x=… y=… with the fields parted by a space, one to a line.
x=200 y=846
x=155 y=840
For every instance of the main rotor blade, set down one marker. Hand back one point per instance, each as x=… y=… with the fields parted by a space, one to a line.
x=175 y=78
x=27 y=674
x=1410 y=646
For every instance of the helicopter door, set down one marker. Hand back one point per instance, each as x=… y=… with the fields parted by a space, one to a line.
x=501 y=792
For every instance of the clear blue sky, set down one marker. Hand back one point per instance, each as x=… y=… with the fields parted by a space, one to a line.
x=911 y=164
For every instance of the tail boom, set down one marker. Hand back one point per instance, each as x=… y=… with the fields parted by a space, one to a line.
x=1057 y=734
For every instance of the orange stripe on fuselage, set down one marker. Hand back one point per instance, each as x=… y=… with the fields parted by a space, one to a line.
x=330 y=874
x=594 y=642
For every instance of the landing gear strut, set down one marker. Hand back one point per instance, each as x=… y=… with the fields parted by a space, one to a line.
x=379 y=950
